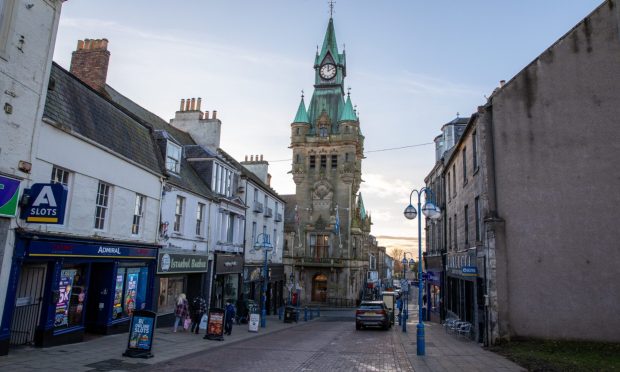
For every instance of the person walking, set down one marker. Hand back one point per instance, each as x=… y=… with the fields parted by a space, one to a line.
x=197 y=309
x=181 y=312
x=229 y=317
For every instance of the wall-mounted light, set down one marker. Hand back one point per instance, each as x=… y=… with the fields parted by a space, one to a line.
x=24 y=166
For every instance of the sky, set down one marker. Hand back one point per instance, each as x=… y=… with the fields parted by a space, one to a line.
x=411 y=66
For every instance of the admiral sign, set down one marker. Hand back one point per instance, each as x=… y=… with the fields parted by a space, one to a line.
x=47 y=204
x=172 y=263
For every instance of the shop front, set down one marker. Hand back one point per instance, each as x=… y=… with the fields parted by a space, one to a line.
x=462 y=295
x=226 y=284
x=179 y=272
x=60 y=288
x=433 y=288
x=253 y=284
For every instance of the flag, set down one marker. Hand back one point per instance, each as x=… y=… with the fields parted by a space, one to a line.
x=337 y=226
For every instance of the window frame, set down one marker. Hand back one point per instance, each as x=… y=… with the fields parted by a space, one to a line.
x=102 y=206
x=334 y=161
x=65 y=174
x=474 y=145
x=478 y=218
x=312 y=162
x=200 y=214
x=179 y=209
x=175 y=165
x=466 y=221
x=464 y=154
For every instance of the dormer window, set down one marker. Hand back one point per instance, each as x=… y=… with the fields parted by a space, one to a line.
x=173 y=157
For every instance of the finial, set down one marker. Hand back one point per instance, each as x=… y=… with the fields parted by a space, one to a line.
x=355 y=109
x=302 y=94
x=348 y=91
x=457 y=115
x=317 y=49
x=331 y=8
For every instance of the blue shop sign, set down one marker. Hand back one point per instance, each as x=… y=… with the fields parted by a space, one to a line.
x=469 y=270
x=62 y=249
x=46 y=204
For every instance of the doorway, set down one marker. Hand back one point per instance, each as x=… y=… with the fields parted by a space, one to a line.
x=319 y=288
x=28 y=304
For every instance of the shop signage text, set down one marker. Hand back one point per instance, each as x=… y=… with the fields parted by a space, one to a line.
x=228 y=264
x=9 y=195
x=60 y=249
x=469 y=270
x=47 y=204
x=170 y=263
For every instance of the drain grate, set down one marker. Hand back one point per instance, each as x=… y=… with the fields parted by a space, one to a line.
x=115 y=364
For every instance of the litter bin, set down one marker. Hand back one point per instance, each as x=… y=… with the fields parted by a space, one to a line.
x=290 y=314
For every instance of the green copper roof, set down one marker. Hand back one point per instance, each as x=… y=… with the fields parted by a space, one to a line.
x=330 y=45
x=302 y=114
x=329 y=100
x=360 y=206
x=348 y=114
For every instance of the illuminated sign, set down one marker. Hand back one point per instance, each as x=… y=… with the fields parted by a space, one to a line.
x=47 y=204
x=9 y=195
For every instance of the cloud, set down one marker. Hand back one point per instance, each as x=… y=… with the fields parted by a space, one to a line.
x=377 y=186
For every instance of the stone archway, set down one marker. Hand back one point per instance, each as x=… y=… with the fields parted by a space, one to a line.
x=319 y=288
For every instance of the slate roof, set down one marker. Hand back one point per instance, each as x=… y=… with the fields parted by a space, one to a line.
x=75 y=107
x=188 y=179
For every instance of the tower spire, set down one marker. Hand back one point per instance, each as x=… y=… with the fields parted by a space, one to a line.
x=302 y=114
x=331 y=8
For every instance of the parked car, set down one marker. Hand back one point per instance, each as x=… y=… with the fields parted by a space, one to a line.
x=372 y=313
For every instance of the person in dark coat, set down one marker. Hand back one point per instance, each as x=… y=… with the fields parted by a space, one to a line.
x=229 y=317
x=197 y=309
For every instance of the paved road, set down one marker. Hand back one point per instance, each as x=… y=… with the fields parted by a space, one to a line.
x=330 y=344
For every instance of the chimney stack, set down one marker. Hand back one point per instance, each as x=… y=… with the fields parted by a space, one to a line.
x=214 y=114
x=89 y=62
x=501 y=83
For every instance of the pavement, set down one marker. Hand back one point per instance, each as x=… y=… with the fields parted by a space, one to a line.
x=444 y=351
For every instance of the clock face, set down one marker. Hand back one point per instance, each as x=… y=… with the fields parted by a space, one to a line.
x=328 y=71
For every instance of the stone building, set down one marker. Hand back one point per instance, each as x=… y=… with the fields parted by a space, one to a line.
x=533 y=196
x=327 y=223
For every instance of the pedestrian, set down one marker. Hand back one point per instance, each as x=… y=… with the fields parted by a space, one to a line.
x=181 y=312
x=229 y=316
x=198 y=308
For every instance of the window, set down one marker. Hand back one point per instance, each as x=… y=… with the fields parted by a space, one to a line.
x=101 y=206
x=312 y=161
x=72 y=290
x=456 y=246
x=297 y=131
x=466 y=225
x=173 y=157
x=449 y=194
x=474 y=149
x=319 y=245
x=170 y=287
x=230 y=228
x=450 y=232
x=323 y=131
x=477 y=212
x=255 y=195
x=178 y=213
x=334 y=161
x=297 y=158
x=454 y=180
x=58 y=175
x=253 y=233
x=6 y=15
x=200 y=212
x=138 y=211
x=323 y=161
x=464 y=166
x=346 y=157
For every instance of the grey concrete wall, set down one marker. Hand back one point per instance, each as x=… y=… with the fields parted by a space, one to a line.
x=556 y=134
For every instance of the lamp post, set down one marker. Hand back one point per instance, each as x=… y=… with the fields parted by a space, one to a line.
x=266 y=246
x=431 y=211
x=405 y=314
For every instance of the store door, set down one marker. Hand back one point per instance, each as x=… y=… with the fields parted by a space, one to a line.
x=27 y=304
x=319 y=288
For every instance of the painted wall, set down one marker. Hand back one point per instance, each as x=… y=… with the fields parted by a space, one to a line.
x=250 y=217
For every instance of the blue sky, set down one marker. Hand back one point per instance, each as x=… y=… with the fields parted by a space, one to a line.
x=412 y=65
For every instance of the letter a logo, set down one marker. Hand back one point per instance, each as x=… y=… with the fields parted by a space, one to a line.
x=46 y=196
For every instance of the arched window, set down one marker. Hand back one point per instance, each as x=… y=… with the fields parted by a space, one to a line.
x=323 y=131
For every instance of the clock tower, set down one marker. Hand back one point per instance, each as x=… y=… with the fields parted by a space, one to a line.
x=327 y=228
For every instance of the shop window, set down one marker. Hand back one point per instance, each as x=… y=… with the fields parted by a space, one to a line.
x=231 y=286
x=129 y=291
x=169 y=290
x=71 y=296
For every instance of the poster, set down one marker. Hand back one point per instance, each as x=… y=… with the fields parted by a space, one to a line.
x=215 y=327
x=141 y=331
x=64 y=295
x=253 y=323
x=131 y=292
x=117 y=309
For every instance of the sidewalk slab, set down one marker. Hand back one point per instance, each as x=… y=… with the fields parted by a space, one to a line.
x=105 y=353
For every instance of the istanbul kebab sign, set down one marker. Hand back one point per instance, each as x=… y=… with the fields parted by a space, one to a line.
x=170 y=263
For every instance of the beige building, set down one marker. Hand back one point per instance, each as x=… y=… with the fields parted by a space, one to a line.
x=532 y=196
x=326 y=225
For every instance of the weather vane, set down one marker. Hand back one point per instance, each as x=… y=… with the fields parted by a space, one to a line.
x=331 y=7
x=302 y=93
x=348 y=91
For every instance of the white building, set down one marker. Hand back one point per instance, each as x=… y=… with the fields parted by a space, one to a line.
x=27 y=38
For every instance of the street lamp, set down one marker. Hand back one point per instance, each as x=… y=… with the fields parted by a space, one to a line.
x=405 y=314
x=267 y=247
x=430 y=211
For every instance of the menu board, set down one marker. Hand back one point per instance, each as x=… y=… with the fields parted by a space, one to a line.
x=215 y=327
x=141 y=333
x=64 y=295
x=253 y=323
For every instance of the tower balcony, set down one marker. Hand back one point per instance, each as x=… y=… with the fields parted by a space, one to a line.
x=318 y=262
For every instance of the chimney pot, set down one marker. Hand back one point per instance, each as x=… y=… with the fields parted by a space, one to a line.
x=80 y=45
x=261 y=157
x=251 y=157
x=214 y=114
x=198 y=102
x=206 y=115
x=501 y=83
x=193 y=104
x=246 y=158
x=89 y=62
x=182 y=104
x=187 y=103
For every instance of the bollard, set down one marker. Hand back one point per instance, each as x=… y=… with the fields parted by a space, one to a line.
x=305 y=314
